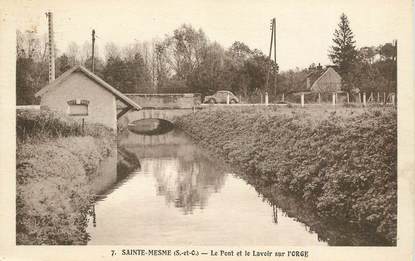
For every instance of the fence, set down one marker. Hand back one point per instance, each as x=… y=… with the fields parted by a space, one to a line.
x=337 y=98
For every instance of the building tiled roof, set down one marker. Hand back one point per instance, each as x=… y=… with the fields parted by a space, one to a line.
x=120 y=96
x=312 y=77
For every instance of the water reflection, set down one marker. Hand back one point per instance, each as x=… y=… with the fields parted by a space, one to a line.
x=179 y=196
x=185 y=185
x=334 y=233
x=150 y=126
x=113 y=172
x=184 y=175
x=275 y=213
x=106 y=175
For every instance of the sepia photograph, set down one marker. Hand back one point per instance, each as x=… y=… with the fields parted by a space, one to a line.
x=208 y=124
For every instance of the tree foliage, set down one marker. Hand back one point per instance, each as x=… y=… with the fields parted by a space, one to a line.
x=343 y=52
x=31 y=66
x=371 y=74
x=187 y=61
x=187 y=57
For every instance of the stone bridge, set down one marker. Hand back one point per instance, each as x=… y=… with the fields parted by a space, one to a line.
x=163 y=106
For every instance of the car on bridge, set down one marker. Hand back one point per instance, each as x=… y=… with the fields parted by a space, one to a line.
x=221 y=97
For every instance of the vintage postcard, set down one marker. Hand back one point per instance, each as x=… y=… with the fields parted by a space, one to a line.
x=211 y=130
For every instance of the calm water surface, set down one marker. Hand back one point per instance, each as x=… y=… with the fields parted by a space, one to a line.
x=181 y=197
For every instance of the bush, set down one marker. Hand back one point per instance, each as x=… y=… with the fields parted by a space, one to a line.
x=343 y=162
x=52 y=191
x=53 y=165
x=35 y=125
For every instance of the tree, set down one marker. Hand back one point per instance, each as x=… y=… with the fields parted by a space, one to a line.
x=375 y=69
x=138 y=78
x=343 y=52
x=240 y=50
x=235 y=77
x=24 y=82
x=208 y=76
x=62 y=64
x=86 y=52
x=115 y=73
x=256 y=68
x=367 y=54
x=161 y=68
x=295 y=80
x=184 y=50
x=387 y=51
x=112 y=51
x=74 y=54
x=31 y=66
x=98 y=65
x=127 y=73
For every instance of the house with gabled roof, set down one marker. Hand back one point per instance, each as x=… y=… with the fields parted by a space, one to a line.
x=323 y=81
x=83 y=95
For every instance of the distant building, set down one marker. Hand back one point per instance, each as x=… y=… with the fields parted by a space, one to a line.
x=81 y=94
x=321 y=81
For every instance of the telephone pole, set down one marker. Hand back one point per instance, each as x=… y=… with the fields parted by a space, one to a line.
x=271 y=45
x=93 y=49
x=275 y=56
x=269 y=55
x=51 y=53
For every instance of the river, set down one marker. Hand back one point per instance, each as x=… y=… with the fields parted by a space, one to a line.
x=180 y=196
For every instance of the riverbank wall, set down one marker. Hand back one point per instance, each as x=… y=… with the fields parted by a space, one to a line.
x=342 y=163
x=54 y=159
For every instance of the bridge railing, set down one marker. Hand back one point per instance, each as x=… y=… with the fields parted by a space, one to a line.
x=164 y=100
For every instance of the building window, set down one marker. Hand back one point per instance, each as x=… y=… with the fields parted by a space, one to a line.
x=78 y=107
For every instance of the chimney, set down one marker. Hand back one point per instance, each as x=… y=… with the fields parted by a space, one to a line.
x=51 y=47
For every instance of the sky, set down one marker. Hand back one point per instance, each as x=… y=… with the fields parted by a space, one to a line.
x=304 y=27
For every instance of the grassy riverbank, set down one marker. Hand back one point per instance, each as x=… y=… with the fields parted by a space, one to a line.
x=54 y=158
x=341 y=163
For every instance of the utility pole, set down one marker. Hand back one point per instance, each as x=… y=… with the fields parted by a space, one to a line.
x=269 y=55
x=272 y=42
x=51 y=53
x=93 y=49
x=275 y=56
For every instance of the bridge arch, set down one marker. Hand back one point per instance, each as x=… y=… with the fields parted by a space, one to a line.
x=167 y=115
x=150 y=126
x=163 y=106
